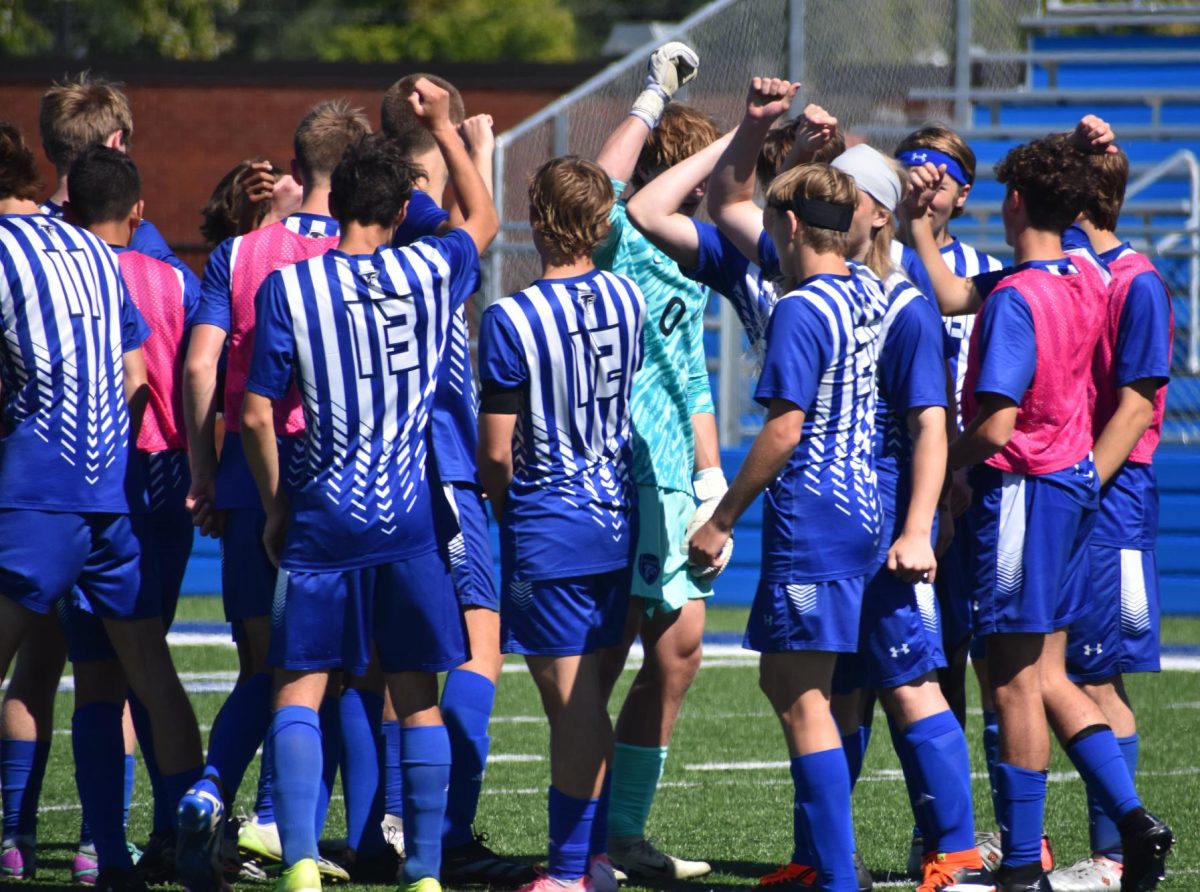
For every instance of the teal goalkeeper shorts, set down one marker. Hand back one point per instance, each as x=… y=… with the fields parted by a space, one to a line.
x=660 y=568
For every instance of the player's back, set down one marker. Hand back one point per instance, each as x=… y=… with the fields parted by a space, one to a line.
x=64 y=309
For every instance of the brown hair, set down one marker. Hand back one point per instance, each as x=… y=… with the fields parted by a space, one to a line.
x=221 y=214
x=398 y=122
x=682 y=132
x=779 y=143
x=18 y=169
x=1053 y=177
x=323 y=136
x=79 y=113
x=570 y=199
x=942 y=139
x=819 y=181
x=1110 y=173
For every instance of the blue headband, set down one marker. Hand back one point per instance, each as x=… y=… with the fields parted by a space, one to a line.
x=916 y=157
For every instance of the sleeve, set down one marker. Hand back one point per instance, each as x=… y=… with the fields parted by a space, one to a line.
x=1075 y=239
x=1144 y=332
x=912 y=368
x=608 y=254
x=501 y=357
x=134 y=330
x=216 y=289
x=699 y=393
x=719 y=265
x=191 y=301
x=423 y=218
x=459 y=251
x=148 y=240
x=914 y=270
x=1008 y=347
x=274 y=341
x=798 y=349
x=768 y=256
x=985 y=283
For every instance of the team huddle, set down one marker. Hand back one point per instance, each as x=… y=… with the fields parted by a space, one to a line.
x=955 y=463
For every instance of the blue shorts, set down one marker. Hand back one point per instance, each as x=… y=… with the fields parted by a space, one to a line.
x=247 y=574
x=564 y=617
x=165 y=541
x=406 y=609
x=462 y=533
x=954 y=588
x=1119 y=632
x=1029 y=561
x=899 y=638
x=45 y=554
x=821 y=616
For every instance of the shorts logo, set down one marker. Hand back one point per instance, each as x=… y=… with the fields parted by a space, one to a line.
x=649 y=567
x=897 y=651
x=1088 y=650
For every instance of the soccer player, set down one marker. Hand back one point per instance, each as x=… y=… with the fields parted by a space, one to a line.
x=470 y=689
x=1029 y=434
x=105 y=197
x=557 y=362
x=676 y=461
x=62 y=468
x=1119 y=632
x=813 y=459
x=361 y=330
x=222 y=496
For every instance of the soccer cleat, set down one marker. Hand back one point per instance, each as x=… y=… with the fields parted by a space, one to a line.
x=424 y=884
x=201 y=820
x=473 y=863
x=543 y=882
x=790 y=876
x=381 y=870
x=259 y=843
x=916 y=858
x=638 y=857
x=1145 y=842
x=156 y=867
x=84 y=866
x=303 y=876
x=955 y=872
x=332 y=872
x=18 y=860
x=119 y=881
x=602 y=876
x=393 y=832
x=1095 y=874
x=866 y=882
x=988 y=846
x=1026 y=878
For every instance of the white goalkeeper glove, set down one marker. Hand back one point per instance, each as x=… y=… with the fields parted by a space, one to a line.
x=709 y=486
x=670 y=67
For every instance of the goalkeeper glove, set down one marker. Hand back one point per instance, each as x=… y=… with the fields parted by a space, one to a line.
x=709 y=486
x=670 y=67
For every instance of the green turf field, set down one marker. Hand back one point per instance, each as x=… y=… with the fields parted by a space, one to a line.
x=726 y=794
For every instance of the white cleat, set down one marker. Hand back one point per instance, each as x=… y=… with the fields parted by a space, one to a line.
x=638 y=857
x=1097 y=874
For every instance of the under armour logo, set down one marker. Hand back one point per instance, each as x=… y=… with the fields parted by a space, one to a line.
x=768 y=620
x=896 y=651
x=1088 y=650
x=920 y=157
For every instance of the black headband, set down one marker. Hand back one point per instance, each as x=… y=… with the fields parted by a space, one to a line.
x=818 y=212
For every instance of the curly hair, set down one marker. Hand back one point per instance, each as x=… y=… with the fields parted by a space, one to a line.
x=18 y=170
x=1110 y=173
x=372 y=182
x=1053 y=178
x=816 y=180
x=682 y=132
x=942 y=139
x=570 y=199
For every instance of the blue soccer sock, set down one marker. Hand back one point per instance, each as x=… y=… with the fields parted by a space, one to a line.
x=238 y=731
x=1021 y=801
x=822 y=793
x=297 y=755
x=571 y=822
x=175 y=786
x=393 y=777
x=264 y=801
x=854 y=745
x=361 y=714
x=330 y=721
x=1098 y=758
x=991 y=753
x=467 y=701
x=1103 y=831
x=163 y=820
x=22 y=768
x=598 y=845
x=130 y=778
x=99 y=747
x=635 y=773
x=426 y=763
x=939 y=755
x=922 y=817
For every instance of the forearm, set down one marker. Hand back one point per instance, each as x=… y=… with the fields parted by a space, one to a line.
x=707 y=444
x=262 y=455
x=929 y=460
x=767 y=456
x=619 y=154
x=472 y=195
x=1120 y=435
x=137 y=390
x=495 y=475
x=973 y=446
x=200 y=418
x=955 y=295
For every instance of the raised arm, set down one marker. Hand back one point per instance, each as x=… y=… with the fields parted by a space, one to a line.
x=955 y=295
x=731 y=186
x=431 y=104
x=480 y=140
x=670 y=67
x=654 y=209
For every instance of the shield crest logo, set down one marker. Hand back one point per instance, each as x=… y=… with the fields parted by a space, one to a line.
x=649 y=567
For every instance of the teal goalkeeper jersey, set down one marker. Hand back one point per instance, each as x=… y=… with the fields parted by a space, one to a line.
x=673 y=382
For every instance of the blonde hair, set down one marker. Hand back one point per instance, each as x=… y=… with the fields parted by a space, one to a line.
x=682 y=132
x=821 y=182
x=570 y=199
x=79 y=113
x=323 y=136
x=879 y=252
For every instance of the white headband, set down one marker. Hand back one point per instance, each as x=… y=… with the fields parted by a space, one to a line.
x=872 y=173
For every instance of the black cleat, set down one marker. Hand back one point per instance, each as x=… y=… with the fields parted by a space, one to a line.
x=156 y=867
x=1026 y=878
x=381 y=870
x=474 y=864
x=119 y=881
x=1145 y=841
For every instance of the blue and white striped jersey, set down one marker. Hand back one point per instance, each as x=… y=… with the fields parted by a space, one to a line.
x=747 y=286
x=363 y=335
x=966 y=262
x=66 y=319
x=572 y=345
x=822 y=518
